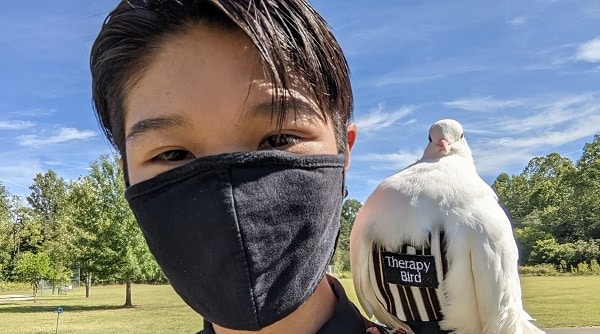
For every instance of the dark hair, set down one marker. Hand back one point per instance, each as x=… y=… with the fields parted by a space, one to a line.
x=290 y=36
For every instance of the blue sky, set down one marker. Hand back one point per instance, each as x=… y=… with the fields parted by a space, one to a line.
x=522 y=76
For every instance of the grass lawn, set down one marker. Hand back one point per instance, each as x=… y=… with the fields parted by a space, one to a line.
x=563 y=301
x=555 y=302
x=157 y=310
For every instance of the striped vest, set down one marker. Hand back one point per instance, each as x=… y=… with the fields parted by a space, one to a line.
x=407 y=279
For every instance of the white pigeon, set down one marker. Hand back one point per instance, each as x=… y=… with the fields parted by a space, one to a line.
x=432 y=243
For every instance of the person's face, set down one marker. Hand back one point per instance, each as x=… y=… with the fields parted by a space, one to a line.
x=206 y=93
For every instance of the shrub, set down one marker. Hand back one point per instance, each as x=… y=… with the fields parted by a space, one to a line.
x=544 y=269
x=583 y=268
x=13 y=286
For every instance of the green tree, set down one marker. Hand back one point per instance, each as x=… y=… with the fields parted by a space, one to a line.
x=586 y=196
x=6 y=233
x=527 y=235
x=514 y=195
x=550 y=191
x=47 y=201
x=540 y=195
x=341 y=258
x=85 y=217
x=15 y=234
x=28 y=227
x=31 y=268
x=47 y=197
x=110 y=243
x=555 y=206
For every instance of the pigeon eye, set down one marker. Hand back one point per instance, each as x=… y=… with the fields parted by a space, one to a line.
x=430 y=139
x=462 y=135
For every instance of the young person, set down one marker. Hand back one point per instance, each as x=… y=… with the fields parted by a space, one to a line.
x=232 y=121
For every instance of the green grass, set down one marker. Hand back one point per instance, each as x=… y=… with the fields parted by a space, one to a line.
x=559 y=301
x=562 y=301
x=157 y=310
x=554 y=301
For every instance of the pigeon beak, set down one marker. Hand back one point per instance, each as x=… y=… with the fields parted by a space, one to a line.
x=444 y=146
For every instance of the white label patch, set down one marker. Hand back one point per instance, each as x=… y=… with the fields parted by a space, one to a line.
x=409 y=269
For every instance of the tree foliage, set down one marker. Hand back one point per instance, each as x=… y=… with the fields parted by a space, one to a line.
x=109 y=242
x=341 y=257
x=6 y=232
x=31 y=268
x=85 y=224
x=555 y=207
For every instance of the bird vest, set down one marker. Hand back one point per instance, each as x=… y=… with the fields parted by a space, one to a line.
x=407 y=278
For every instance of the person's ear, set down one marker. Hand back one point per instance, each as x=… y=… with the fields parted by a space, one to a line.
x=351 y=133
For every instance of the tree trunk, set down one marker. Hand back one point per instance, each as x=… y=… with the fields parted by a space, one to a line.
x=128 y=293
x=88 y=285
x=53 y=287
x=35 y=289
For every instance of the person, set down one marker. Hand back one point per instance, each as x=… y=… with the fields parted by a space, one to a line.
x=232 y=119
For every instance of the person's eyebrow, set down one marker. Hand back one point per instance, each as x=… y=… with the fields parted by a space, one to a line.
x=155 y=124
x=293 y=106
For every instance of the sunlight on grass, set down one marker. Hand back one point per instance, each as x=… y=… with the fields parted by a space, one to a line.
x=157 y=309
x=554 y=301
x=563 y=301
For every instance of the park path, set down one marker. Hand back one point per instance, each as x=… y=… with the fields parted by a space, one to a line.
x=13 y=298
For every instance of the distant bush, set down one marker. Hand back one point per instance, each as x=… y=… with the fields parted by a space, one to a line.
x=549 y=269
x=545 y=269
x=568 y=256
x=14 y=286
x=583 y=268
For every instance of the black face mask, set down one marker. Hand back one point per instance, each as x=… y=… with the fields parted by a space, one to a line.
x=244 y=238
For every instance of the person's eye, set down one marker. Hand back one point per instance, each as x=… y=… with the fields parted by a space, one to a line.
x=278 y=141
x=173 y=156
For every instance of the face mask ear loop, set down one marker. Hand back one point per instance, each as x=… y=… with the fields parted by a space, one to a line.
x=344 y=188
x=337 y=237
x=125 y=169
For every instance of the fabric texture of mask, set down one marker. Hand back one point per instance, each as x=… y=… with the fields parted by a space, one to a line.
x=244 y=238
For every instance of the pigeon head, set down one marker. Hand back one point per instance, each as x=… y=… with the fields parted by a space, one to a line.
x=447 y=138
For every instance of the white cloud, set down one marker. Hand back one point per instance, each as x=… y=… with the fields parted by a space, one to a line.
x=517 y=21
x=487 y=103
x=390 y=161
x=435 y=71
x=542 y=125
x=578 y=130
x=493 y=160
x=589 y=51
x=402 y=79
x=35 y=112
x=15 y=125
x=546 y=116
x=18 y=174
x=60 y=136
x=379 y=119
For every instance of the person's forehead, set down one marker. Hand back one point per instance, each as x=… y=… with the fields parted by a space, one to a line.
x=190 y=67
